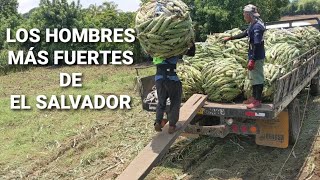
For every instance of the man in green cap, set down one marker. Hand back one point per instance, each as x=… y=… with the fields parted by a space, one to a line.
x=169 y=86
x=256 y=54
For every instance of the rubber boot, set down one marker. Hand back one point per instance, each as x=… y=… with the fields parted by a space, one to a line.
x=258 y=97
x=254 y=104
x=253 y=97
x=249 y=100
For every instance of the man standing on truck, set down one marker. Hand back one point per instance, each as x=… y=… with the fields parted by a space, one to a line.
x=169 y=86
x=256 y=53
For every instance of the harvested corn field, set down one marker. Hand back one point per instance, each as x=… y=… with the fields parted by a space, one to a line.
x=66 y=146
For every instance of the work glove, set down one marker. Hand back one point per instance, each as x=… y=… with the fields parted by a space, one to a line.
x=251 y=65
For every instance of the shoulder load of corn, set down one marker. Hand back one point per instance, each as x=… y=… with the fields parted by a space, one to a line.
x=164 y=28
x=220 y=69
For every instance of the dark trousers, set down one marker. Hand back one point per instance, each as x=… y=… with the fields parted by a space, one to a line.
x=257 y=91
x=168 y=89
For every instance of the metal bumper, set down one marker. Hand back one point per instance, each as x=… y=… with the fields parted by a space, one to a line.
x=216 y=131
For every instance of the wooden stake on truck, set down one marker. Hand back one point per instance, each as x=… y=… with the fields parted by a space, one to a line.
x=160 y=144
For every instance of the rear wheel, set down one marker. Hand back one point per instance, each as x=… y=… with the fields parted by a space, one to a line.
x=315 y=85
x=294 y=120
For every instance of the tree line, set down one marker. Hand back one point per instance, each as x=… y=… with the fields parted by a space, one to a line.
x=212 y=16
x=302 y=7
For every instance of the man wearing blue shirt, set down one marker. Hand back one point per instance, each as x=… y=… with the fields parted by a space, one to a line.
x=256 y=53
x=168 y=86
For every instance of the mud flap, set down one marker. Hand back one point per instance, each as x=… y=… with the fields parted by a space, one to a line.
x=274 y=133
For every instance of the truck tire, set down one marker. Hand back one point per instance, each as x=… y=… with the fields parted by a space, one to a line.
x=294 y=120
x=315 y=85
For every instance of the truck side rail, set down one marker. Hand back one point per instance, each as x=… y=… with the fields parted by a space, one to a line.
x=291 y=84
x=290 y=22
x=287 y=24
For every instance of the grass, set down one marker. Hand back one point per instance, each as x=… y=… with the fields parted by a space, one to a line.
x=91 y=144
x=76 y=143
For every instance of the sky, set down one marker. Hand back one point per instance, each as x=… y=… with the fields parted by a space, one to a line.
x=124 y=5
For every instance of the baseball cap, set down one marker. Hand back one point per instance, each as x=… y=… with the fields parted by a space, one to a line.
x=251 y=8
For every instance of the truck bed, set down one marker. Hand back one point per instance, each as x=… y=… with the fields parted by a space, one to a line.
x=237 y=110
x=265 y=107
x=288 y=86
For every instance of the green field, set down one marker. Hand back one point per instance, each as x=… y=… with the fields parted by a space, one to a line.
x=77 y=143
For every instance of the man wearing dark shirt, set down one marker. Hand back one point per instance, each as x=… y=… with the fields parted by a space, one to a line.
x=168 y=86
x=256 y=53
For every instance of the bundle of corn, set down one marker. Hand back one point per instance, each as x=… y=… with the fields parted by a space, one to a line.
x=309 y=37
x=191 y=80
x=303 y=38
x=240 y=54
x=215 y=41
x=232 y=49
x=201 y=58
x=218 y=37
x=215 y=50
x=164 y=28
x=200 y=61
x=275 y=36
x=237 y=47
x=223 y=79
x=271 y=73
x=282 y=54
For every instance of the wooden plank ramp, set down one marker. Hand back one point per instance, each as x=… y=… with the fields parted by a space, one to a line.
x=140 y=167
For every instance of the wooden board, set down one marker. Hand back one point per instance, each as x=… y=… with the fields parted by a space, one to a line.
x=160 y=144
x=264 y=107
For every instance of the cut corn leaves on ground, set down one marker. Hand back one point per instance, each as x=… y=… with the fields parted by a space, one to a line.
x=223 y=65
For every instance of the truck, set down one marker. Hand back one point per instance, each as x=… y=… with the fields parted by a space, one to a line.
x=275 y=124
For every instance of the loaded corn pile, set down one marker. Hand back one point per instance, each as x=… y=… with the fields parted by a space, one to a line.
x=218 y=69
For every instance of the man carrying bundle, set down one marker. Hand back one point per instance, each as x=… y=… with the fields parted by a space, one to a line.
x=165 y=32
x=256 y=53
x=169 y=86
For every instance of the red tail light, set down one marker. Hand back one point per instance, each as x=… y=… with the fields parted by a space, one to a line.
x=235 y=128
x=250 y=114
x=244 y=129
